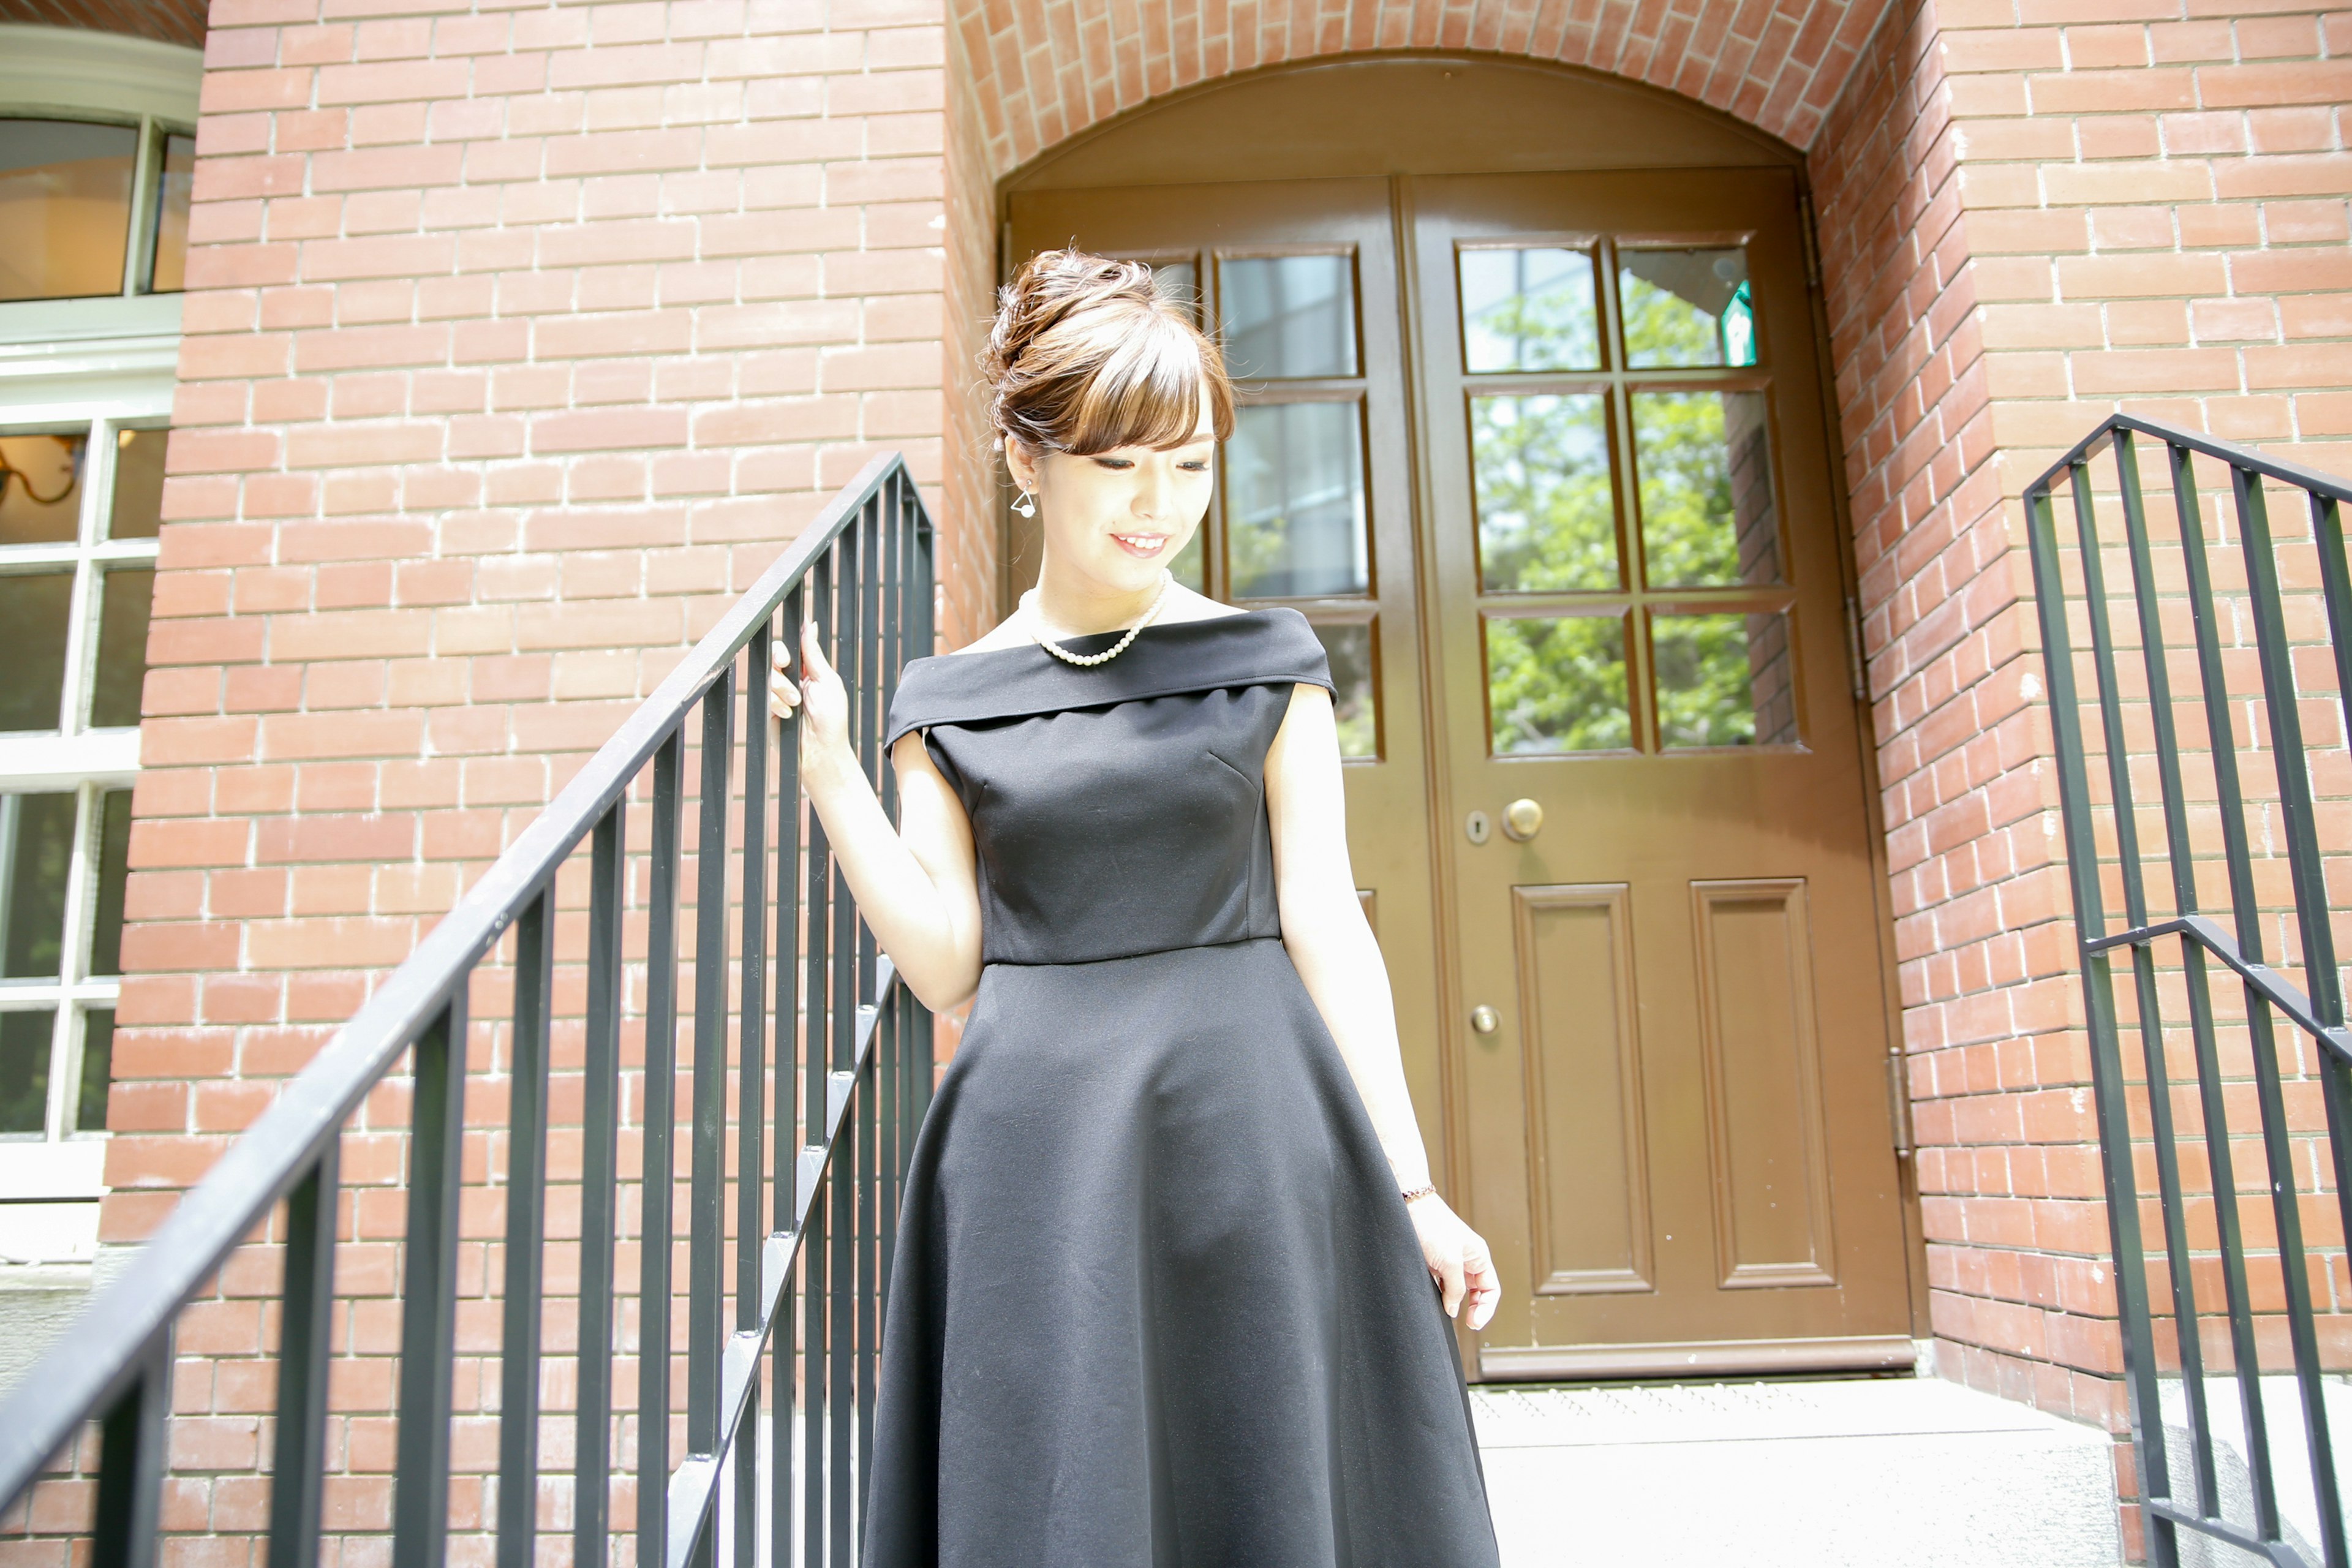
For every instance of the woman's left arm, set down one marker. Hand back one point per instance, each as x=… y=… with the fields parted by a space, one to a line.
x=1323 y=926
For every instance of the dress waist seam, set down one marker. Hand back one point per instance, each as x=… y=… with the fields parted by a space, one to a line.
x=988 y=964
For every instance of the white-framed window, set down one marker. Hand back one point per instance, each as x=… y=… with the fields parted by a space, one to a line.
x=96 y=149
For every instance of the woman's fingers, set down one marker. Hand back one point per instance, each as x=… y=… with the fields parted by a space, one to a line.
x=813 y=658
x=1449 y=1281
x=1485 y=1287
x=783 y=692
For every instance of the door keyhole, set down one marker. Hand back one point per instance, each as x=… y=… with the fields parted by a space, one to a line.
x=1477 y=826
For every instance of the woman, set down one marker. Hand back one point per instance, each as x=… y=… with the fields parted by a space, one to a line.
x=1162 y=1293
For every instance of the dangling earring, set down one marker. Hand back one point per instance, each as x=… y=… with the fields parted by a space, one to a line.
x=1024 y=506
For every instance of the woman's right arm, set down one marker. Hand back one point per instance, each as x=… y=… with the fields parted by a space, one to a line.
x=917 y=884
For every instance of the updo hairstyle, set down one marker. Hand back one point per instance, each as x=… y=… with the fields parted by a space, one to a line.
x=1087 y=356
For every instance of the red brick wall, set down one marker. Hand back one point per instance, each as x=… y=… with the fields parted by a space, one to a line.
x=1047 y=71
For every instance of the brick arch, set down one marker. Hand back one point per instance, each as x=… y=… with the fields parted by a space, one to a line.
x=1043 y=71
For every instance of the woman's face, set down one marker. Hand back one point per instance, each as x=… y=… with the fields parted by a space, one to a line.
x=1118 y=518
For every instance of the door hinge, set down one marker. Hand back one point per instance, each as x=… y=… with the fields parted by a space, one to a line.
x=1898 y=1103
x=1855 y=666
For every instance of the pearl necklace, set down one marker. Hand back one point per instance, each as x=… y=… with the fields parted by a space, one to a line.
x=1085 y=660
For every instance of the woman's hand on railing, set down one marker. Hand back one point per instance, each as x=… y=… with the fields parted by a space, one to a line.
x=820 y=698
x=1458 y=1261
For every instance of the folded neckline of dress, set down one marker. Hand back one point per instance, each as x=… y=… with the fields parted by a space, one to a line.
x=1198 y=655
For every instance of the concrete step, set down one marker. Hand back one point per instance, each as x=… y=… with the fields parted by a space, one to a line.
x=1860 y=1473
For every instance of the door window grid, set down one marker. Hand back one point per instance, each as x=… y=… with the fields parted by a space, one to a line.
x=1291 y=523
x=1669 y=467
x=62 y=754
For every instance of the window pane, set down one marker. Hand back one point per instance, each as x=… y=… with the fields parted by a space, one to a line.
x=1723 y=680
x=97 y=1069
x=65 y=207
x=1707 y=517
x=170 y=272
x=113 y=869
x=1356 y=703
x=1186 y=568
x=1288 y=315
x=40 y=487
x=122 y=647
x=1547 y=521
x=137 y=511
x=1528 y=309
x=36 y=858
x=25 y=1069
x=33 y=612
x=1179 y=281
x=1686 y=308
x=1557 y=685
x=1295 y=501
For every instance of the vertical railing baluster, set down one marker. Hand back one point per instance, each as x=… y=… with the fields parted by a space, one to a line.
x=752 y=1079
x=428 y=1307
x=298 y=1453
x=600 y=1157
x=816 y=1248
x=705 y=1196
x=847 y=993
x=2143 y=961
x=782 y=1359
x=2336 y=586
x=2098 y=993
x=892 y=1159
x=534 y=982
x=2307 y=876
x=2180 y=860
x=2238 y=859
x=128 y=1511
x=657 y=1169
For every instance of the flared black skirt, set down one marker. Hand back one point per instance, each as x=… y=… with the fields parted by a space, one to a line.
x=1156 y=1301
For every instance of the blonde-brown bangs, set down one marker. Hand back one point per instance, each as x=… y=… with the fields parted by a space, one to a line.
x=1146 y=390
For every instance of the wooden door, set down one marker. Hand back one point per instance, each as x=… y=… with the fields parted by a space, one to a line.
x=1313 y=506
x=1673 y=1048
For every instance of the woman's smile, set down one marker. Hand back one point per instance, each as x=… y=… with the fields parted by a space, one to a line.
x=1142 y=546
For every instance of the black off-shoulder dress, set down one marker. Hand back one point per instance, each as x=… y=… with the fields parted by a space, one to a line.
x=1156 y=1301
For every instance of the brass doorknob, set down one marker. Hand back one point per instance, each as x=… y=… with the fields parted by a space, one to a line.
x=1522 y=820
x=1484 y=1020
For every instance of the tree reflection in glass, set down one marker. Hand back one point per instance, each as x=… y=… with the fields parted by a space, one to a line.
x=1557 y=684
x=1707 y=516
x=1546 y=521
x=1528 y=309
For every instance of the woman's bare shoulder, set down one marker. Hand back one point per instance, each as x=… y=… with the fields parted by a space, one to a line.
x=1184 y=605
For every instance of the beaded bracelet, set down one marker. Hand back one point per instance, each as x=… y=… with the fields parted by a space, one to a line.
x=1418 y=1193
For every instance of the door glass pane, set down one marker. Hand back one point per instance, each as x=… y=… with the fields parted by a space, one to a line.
x=1528 y=309
x=40 y=486
x=1723 y=680
x=65 y=207
x=137 y=511
x=97 y=1069
x=1186 y=568
x=1557 y=684
x=1179 y=281
x=1705 y=466
x=33 y=612
x=25 y=1069
x=1547 y=521
x=1288 y=315
x=36 y=858
x=1295 y=501
x=113 y=870
x=170 y=271
x=129 y=593
x=1355 y=703
x=1686 y=308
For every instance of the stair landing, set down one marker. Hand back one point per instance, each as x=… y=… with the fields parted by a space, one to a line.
x=1871 y=1473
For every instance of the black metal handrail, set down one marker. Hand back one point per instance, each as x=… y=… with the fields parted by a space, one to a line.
x=2164 y=1093
x=852 y=1077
